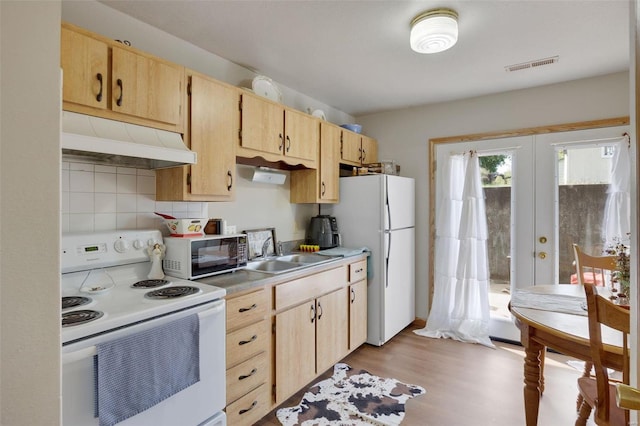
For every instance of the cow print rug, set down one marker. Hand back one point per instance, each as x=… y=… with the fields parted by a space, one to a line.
x=351 y=397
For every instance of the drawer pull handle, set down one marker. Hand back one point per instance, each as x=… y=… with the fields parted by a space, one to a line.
x=353 y=295
x=244 y=342
x=358 y=270
x=246 y=376
x=248 y=309
x=253 y=404
x=313 y=314
x=319 y=310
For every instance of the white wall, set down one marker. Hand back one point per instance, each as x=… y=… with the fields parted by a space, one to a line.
x=403 y=135
x=29 y=212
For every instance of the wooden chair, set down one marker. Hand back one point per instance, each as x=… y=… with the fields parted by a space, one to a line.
x=592 y=269
x=599 y=393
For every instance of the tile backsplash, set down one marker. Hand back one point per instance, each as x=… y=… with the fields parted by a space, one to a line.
x=106 y=198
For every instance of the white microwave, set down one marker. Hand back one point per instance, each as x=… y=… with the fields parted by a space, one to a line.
x=199 y=257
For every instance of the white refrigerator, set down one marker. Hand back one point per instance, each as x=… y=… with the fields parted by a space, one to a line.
x=378 y=212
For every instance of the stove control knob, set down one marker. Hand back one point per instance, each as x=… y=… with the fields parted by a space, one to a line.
x=121 y=245
x=138 y=244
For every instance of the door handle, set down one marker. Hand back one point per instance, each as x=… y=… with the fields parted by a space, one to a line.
x=542 y=255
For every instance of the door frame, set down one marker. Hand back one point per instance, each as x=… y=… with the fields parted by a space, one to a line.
x=476 y=137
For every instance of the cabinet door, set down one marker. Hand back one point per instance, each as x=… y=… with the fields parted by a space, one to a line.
x=302 y=135
x=331 y=329
x=295 y=349
x=369 y=148
x=329 y=162
x=214 y=124
x=262 y=125
x=146 y=87
x=351 y=151
x=84 y=62
x=357 y=314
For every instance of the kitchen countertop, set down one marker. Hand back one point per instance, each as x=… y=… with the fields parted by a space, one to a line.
x=245 y=279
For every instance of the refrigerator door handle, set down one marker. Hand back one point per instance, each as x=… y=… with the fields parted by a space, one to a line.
x=386 y=193
x=386 y=283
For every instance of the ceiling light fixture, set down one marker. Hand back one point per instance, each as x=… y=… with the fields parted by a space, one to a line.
x=434 y=31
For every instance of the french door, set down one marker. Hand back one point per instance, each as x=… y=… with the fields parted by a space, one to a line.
x=548 y=194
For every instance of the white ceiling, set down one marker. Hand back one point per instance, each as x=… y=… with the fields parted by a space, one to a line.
x=355 y=55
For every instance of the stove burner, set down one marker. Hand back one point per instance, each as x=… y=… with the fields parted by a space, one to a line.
x=172 y=292
x=150 y=283
x=74 y=301
x=79 y=317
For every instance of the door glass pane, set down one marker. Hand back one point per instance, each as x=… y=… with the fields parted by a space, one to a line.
x=496 y=180
x=584 y=174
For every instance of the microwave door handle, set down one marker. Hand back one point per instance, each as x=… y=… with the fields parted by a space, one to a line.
x=80 y=354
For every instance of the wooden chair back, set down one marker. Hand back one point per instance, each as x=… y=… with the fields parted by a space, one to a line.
x=592 y=269
x=602 y=311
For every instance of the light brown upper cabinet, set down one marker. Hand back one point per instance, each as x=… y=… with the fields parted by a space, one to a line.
x=357 y=149
x=320 y=185
x=277 y=133
x=105 y=78
x=212 y=133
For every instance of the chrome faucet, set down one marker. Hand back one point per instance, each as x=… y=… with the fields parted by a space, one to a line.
x=279 y=251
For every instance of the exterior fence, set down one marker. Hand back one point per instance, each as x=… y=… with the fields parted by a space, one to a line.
x=581 y=211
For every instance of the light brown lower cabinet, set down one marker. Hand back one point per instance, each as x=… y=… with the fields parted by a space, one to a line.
x=357 y=304
x=281 y=337
x=310 y=338
x=249 y=343
x=250 y=408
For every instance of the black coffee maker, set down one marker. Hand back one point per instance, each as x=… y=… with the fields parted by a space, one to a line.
x=323 y=232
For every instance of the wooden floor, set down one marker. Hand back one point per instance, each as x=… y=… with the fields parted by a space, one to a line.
x=466 y=384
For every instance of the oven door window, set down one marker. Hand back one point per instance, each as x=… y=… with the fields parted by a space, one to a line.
x=214 y=255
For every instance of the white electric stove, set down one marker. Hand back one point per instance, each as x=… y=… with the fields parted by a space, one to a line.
x=107 y=294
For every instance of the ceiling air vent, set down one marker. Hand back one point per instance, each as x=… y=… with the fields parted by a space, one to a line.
x=531 y=64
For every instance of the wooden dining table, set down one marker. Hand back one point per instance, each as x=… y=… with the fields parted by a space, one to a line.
x=567 y=333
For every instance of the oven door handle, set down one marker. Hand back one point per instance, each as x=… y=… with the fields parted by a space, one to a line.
x=216 y=307
x=79 y=354
x=67 y=358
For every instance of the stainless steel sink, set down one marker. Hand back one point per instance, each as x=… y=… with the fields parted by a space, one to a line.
x=272 y=266
x=304 y=258
x=286 y=263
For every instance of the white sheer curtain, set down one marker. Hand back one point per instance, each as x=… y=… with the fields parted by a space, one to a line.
x=617 y=210
x=460 y=308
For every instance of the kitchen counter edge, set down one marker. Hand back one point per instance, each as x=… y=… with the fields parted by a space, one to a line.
x=245 y=279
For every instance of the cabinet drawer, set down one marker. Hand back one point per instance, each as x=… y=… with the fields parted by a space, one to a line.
x=297 y=291
x=250 y=408
x=357 y=271
x=246 y=376
x=247 y=342
x=244 y=310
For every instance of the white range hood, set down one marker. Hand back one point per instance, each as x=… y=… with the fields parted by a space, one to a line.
x=91 y=139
